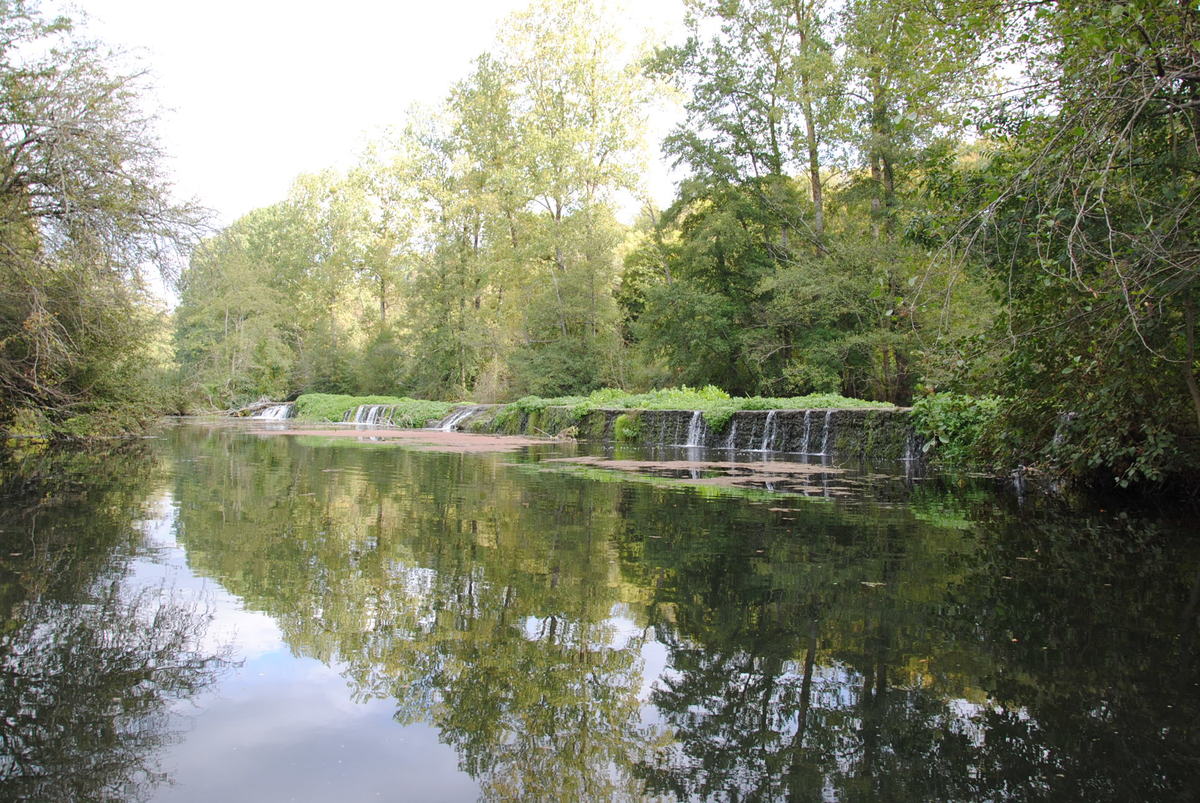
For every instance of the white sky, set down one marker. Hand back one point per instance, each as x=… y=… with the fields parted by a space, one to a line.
x=254 y=92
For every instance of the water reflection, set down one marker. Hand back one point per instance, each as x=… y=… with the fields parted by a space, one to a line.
x=89 y=665
x=573 y=633
x=948 y=648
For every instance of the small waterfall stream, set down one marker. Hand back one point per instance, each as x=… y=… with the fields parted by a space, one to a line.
x=456 y=418
x=276 y=412
x=730 y=443
x=825 y=433
x=371 y=415
x=696 y=431
x=770 y=428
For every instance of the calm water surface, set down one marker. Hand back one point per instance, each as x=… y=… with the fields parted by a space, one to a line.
x=215 y=615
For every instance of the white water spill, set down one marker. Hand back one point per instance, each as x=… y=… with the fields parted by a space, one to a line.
x=807 y=432
x=696 y=430
x=825 y=433
x=276 y=412
x=451 y=422
x=731 y=439
x=369 y=414
x=769 y=429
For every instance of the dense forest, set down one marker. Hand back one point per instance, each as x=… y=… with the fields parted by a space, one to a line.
x=985 y=207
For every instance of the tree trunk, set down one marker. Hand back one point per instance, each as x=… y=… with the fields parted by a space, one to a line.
x=810 y=129
x=382 y=300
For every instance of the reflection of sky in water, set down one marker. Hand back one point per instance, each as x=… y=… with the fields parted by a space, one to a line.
x=278 y=727
x=805 y=646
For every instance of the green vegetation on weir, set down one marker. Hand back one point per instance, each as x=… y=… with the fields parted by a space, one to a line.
x=405 y=412
x=716 y=405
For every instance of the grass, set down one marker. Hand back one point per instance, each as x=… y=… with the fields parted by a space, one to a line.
x=333 y=407
x=716 y=405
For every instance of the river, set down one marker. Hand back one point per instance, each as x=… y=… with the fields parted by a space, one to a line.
x=217 y=613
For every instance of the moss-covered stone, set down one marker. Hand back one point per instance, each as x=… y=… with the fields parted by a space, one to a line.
x=875 y=434
x=627 y=427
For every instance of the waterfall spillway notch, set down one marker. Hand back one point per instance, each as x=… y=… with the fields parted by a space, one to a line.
x=696 y=431
x=804 y=442
x=825 y=433
x=457 y=417
x=371 y=415
x=770 y=429
x=276 y=412
x=730 y=443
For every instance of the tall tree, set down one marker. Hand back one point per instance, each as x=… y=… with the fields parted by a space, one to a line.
x=1092 y=210
x=84 y=209
x=578 y=120
x=235 y=330
x=761 y=78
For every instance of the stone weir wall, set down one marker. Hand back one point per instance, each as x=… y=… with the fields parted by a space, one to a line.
x=877 y=434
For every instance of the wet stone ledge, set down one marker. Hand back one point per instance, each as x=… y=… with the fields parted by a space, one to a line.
x=874 y=434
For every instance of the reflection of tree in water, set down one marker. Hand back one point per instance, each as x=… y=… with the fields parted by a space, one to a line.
x=478 y=602
x=543 y=715
x=1052 y=661
x=88 y=668
x=1094 y=678
x=85 y=692
x=848 y=650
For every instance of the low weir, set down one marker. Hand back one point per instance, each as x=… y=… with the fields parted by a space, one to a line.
x=876 y=434
x=457 y=417
x=382 y=415
x=881 y=434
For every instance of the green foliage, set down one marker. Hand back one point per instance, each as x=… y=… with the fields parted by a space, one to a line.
x=333 y=407
x=83 y=208
x=1089 y=226
x=627 y=427
x=380 y=363
x=953 y=427
x=857 y=220
x=471 y=254
x=235 y=330
x=716 y=405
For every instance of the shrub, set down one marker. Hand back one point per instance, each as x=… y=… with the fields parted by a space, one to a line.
x=627 y=427
x=952 y=426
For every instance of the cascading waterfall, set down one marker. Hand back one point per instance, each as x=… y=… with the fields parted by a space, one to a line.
x=371 y=415
x=730 y=443
x=825 y=433
x=457 y=416
x=276 y=412
x=807 y=432
x=696 y=431
x=770 y=427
